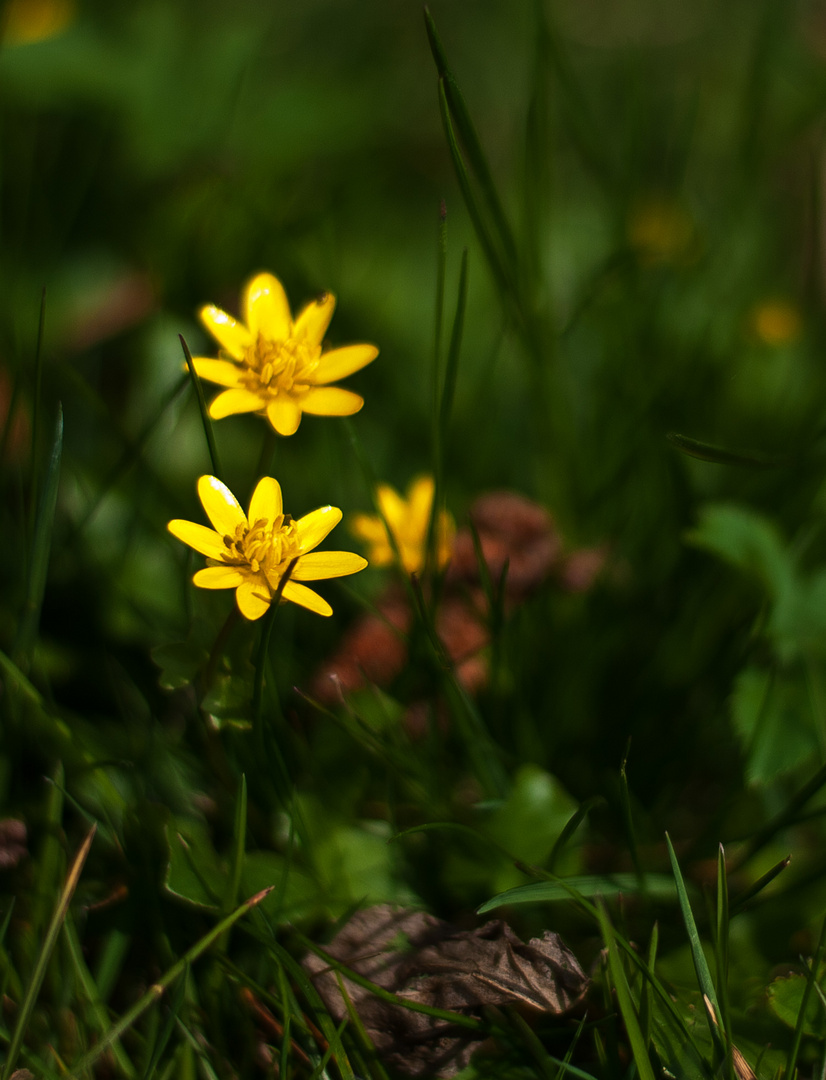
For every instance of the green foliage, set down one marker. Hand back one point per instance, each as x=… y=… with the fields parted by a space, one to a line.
x=573 y=230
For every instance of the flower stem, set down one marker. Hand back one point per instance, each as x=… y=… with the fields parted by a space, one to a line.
x=264 y=645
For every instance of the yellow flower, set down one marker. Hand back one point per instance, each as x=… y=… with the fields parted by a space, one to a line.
x=661 y=232
x=776 y=322
x=28 y=21
x=409 y=521
x=251 y=553
x=273 y=365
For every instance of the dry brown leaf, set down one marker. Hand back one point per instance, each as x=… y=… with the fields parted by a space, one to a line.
x=429 y=962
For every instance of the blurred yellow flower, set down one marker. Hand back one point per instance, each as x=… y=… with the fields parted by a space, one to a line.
x=661 y=231
x=28 y=21
x=252 y=553
x=273 y=365
x=409 y=521
x=776 y=322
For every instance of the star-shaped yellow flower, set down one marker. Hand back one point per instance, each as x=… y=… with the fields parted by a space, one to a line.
x=273 y=365
x=409 y=521
x=251 y=553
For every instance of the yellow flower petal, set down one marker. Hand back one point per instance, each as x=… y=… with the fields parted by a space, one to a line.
x=284 y=414
x=234 y=401
x=219 y=577
x=420 y=498
x=327 y=564
x=300 y=594
x=230 y=335
x=223 y=372
x=266 y=500
x=267 y=308
x=331 y=401
x=368 y=527
x=221 y=506
x=392 y=506
x=338 y=363
x=253 y=598
x=313 y=527
x=314 y=319
x=205 y=540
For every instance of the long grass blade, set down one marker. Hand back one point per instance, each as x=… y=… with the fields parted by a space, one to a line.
x=698 y=957
x=203 y=410
x=639 y=1046
x=811 y=978
x=49 y=943
x=41 y=549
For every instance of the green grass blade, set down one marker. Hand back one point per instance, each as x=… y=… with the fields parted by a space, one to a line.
x=639 y=1047
x=720 y=456
x=49 y=943
x=571 y=826
x=99 y=1015
x=628 y=818
x=742 y=902
x=704 y=979
x=721 y=939
x=470 y=138
x=37 y=412
x=166 y=980
x=203 y=410
x=646 y=991
x=175 y=1004
x=811 y=978
x=41 y=549
x=501 y=273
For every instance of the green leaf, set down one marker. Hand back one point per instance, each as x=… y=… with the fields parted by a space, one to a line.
x=785 y=996
x=748 y=541
x=773 y=720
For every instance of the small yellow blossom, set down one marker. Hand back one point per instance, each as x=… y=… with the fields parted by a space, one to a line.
x=661 y=231
x=252 y=553
x=273 y=365
x=409 y=521
x=27 y=21
x=776 y=322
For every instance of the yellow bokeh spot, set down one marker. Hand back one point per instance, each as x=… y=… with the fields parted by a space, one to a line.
x=776 y=322
x=28 y=21
x=660 y=231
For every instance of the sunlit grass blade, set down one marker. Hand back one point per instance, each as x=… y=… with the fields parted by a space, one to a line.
x=203 y=410
x=698 y=956
x=157 y=990
x=41 y=550
x=49 y=942
x=470 y=139
x=639 y=1047
x=811 y=978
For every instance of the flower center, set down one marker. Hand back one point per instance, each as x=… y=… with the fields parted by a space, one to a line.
x=285 y=366
x=266 y=547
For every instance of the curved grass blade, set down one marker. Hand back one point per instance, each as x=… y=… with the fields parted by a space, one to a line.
x=202 y=408
x=41 y=549
x=720 y=456
x=571 y=826
x=546 y=892
x=49 y=943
